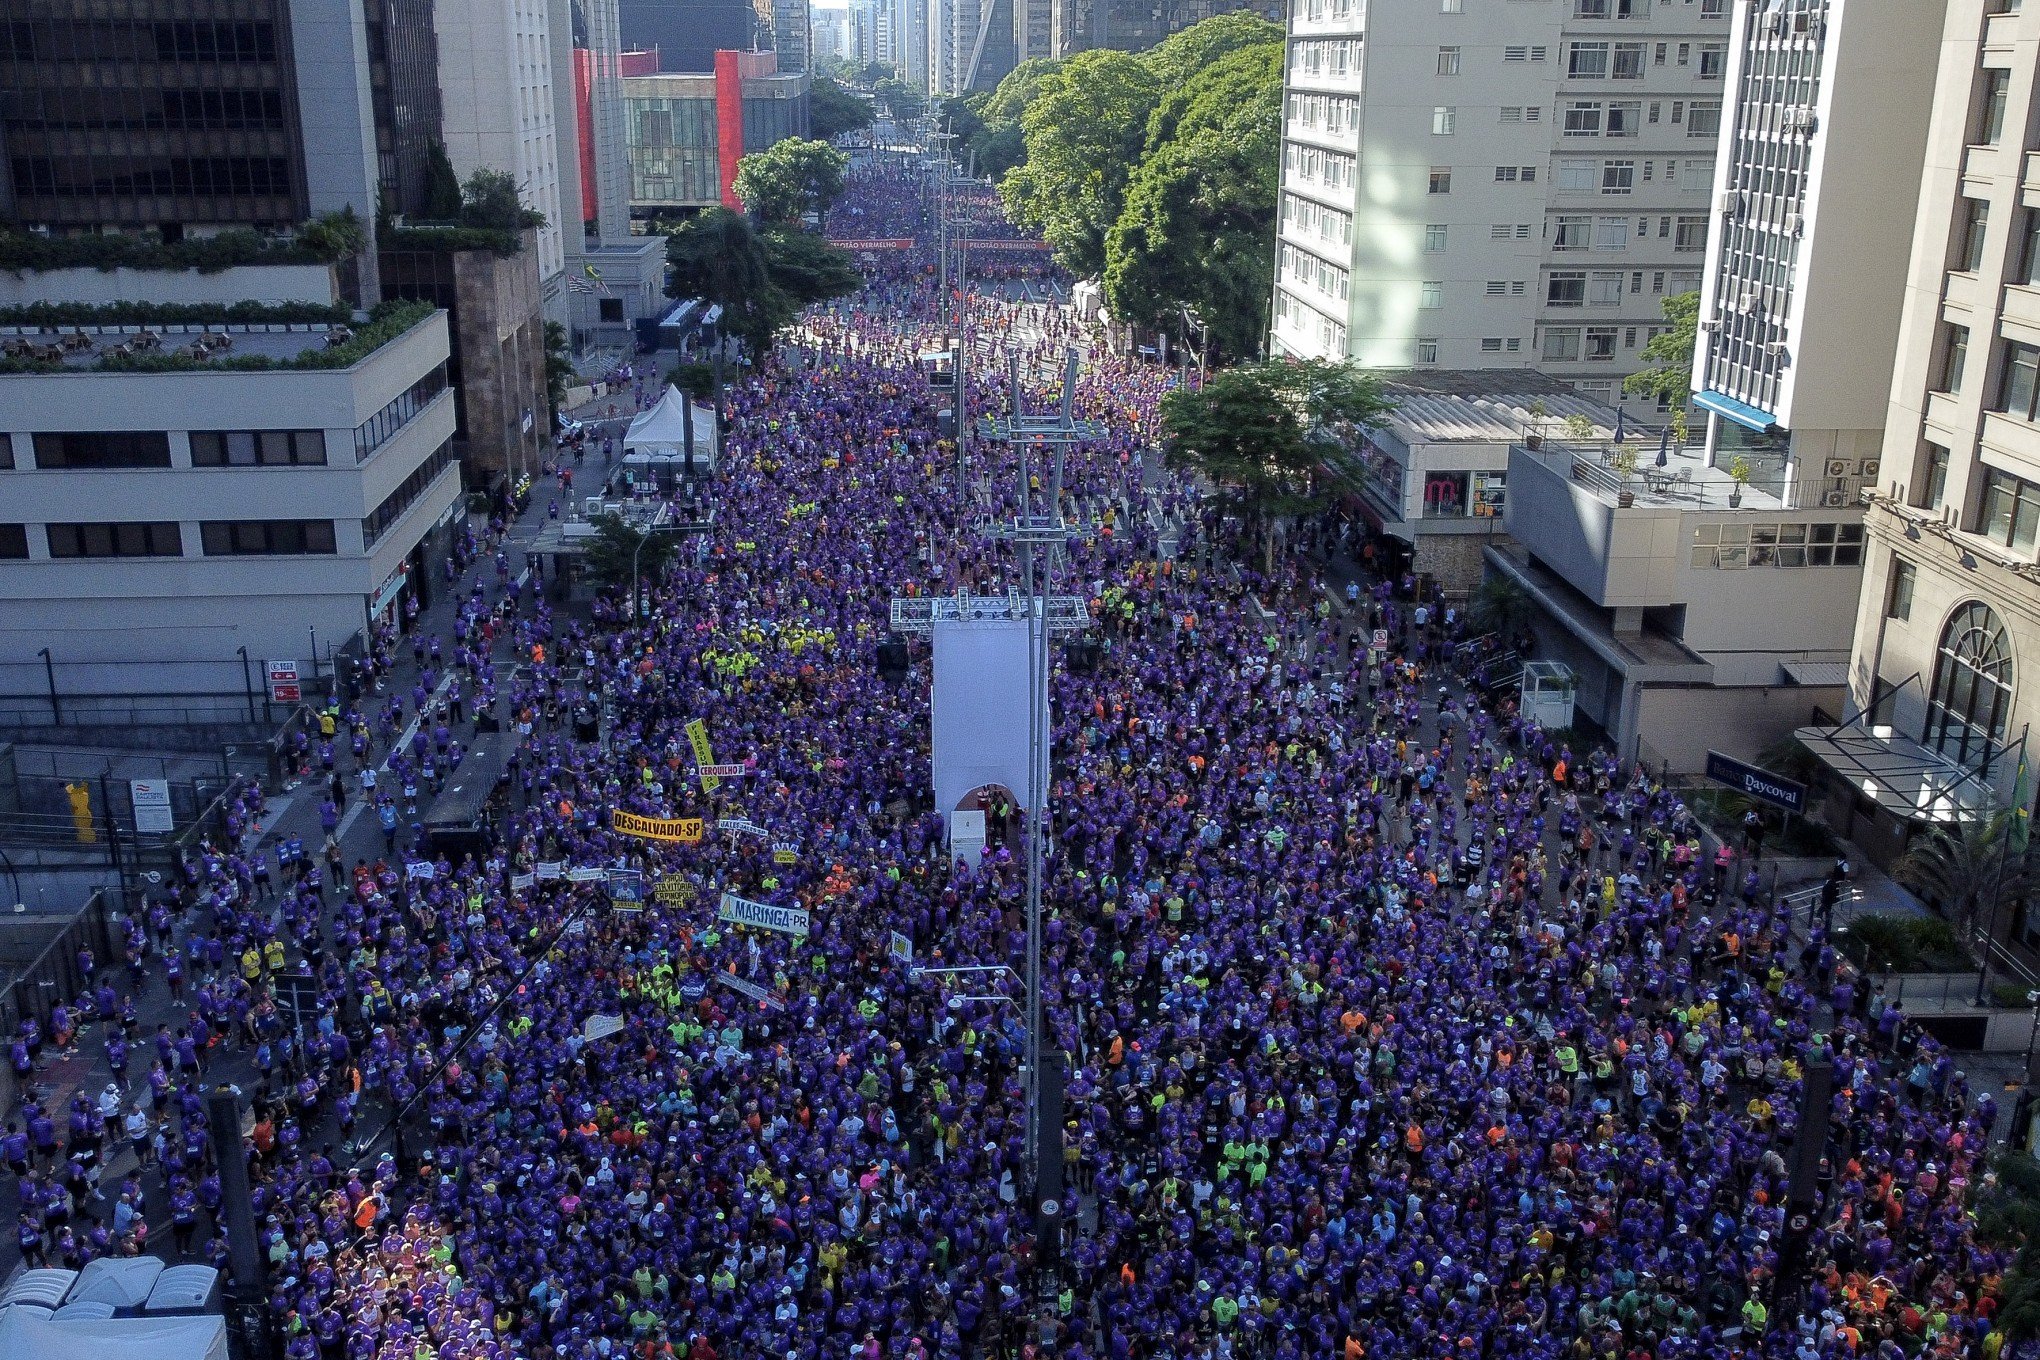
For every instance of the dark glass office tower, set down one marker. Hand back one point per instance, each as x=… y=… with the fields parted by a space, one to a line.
x=403 y=59
x=178 y=112
x=688 y=33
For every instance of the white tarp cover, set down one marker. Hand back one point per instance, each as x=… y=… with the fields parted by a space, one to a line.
x=27 y=1335
x=663 y=429
x=123 y=1281
x=980 y=709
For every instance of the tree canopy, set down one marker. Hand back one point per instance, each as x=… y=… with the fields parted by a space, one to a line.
x=902 y=102
x=1669 y=354
x=791 y=179
x=1155 y=172
x=761 y=279
x=833 y=110
x=1274 y=437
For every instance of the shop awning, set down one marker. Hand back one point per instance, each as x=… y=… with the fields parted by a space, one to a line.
x=1741 y=412
x=1900 y=775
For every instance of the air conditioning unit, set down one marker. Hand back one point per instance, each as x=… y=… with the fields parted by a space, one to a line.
x=1731 y=203
x=1835 y=499
x=1794 y=224
x=1838 y=467
x=1779 y=350
x=1868 y=468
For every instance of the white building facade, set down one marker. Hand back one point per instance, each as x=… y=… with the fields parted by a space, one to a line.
x=1482 y=185
x=1799 y=305
x=155 y=524
x=496 y=79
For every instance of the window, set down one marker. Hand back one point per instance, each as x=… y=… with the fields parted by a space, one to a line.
x=1690 y=234
x=1590 y=9
x=1444 y=121
x=408 y=491
x=1441 y=179
x=1713 y=61
x=258 y=448
x=1427 y=351
x=1491 y=346
x=2019 y=384
x=1629 y=60
x=103 y=449
x=1451 y=6
x=1605 y=289
x=1618 y=177
x=1704 y=120
x=1512 y=113
x=1571 y=233
x=1625 y=119
x=1434 y=238
x=1505 y=174
x=1997 y=88
x=1587 y=61
x=1934 y=483
x=1898 y=600
x=1954 y=358
x=2010 y=510
x=1611 y=233
x=1600 y=343
x=1975 y=227
x=1972 y=690
x=2029 y=250
x=1431 y=294
x=158 y=539
x=1448 y=61
x=1583 y=118
x=1578 y=177
x=266 y=537
x=1566 y=288
x=13 y=540
x=1561 y=344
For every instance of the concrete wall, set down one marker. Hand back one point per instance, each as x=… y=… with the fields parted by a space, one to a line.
x=1684 y=722
x=1453 y=559
x=496 y=90
x=1614 y=557
x=259 y=283
x=502 y=357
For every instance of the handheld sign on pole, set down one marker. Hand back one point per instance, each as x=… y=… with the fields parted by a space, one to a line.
x=1756 y=782
x=741 y=911
x=902 y=948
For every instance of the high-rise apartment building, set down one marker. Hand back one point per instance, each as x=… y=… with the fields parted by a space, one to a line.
x=1481 y=185
x=497 y=103
x=1943 y=700
x=688 y=33
x=1799 y=307
x=1128 y=25
x=162 y=115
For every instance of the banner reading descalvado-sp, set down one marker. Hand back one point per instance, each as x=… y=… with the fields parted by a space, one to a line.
x=686 y=830
x=742 y=911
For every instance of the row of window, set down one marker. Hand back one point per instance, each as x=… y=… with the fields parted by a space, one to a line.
x=1312 y=272
x=1333 y=169
x=1311 y=326
x=408 y=491
x=1579 y=232
x=92 y=176
x=1336 y=114
x=1628 y=117
x=1732 y=547
x=2007 y=505
x=1590 y=288
x=1327 y=224
x=162 y=538
x=381 y=427
x=257 y=448
x=1580 y=176
x=1627 y=60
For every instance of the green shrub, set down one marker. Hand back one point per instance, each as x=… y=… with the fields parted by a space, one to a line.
x=173 y=314
x=1908 y=943
x=325 y=239
x=385 y=323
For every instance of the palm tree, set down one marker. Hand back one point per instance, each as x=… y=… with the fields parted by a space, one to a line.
x=1972 y=870
x=1500 y=605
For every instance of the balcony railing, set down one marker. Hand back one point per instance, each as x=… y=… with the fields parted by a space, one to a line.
x=1684 y=482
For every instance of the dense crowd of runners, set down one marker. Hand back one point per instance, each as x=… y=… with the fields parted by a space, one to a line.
x=1392 y=1029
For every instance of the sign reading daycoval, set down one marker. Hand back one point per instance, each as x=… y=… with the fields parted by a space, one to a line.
x=697 y=737
x=742 y=911
x=686 y=830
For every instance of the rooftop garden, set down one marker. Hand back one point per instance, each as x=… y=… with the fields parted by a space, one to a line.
x=323 y=240
x=483 y=214
x=344 y=346
x=56 y=314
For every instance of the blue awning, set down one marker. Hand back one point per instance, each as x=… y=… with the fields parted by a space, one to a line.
x=1741 y=412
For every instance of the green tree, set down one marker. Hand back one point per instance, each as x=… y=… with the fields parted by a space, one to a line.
x=791 y=179
x=442 y=186
x=761 y=279
x=559 y=367
x=2008 y=1214
x=617 y=542
x=833 y=111
x=806 y=268
x=1083 y=133
x=1274 y=437
x=1670 y=354
x=875 y=71
x=489 y=199
x=1500 y=605
x=1176 y=58
x=1198 y=228
x=902 y=102
x=1973 y=871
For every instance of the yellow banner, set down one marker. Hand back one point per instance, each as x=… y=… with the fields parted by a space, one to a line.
x=684 y=829
x=697 y=737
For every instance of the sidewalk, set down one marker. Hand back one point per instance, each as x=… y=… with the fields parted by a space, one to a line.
x=292 y=811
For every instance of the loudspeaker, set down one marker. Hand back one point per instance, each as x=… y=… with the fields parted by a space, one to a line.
x=1815 y=1103
x=892 y=660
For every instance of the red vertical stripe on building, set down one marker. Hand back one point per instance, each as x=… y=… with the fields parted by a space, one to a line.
x=584 y=122
x=729 y=123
